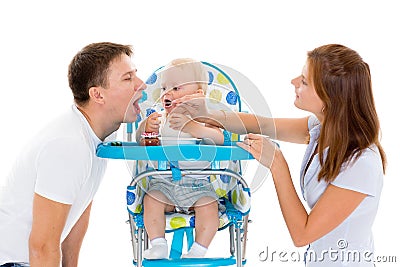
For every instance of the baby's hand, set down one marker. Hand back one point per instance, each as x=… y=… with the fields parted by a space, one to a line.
x=179 y=121
x=153 y=123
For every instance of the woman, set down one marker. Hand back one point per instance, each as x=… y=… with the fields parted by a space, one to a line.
x=343 y=167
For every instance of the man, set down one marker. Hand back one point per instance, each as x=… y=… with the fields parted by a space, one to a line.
x=45 y=204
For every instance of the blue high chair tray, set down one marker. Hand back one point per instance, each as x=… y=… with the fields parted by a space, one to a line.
x=134 y=151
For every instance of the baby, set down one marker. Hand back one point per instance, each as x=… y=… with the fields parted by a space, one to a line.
x=191 y=193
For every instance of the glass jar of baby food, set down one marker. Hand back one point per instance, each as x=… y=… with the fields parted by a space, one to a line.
x=149 y=139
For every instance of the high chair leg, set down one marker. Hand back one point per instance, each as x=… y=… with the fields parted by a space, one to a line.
x=244 y=241
x=140 y=247
x=232 y=240
x=241 y=238
x=134 y=238
x=238 y=246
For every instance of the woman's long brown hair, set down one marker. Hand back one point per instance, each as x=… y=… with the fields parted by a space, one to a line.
x=342 y=80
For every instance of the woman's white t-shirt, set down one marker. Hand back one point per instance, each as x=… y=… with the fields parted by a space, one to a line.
x=351 y=242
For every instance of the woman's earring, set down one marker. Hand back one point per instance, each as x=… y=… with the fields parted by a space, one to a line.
x=323 y=109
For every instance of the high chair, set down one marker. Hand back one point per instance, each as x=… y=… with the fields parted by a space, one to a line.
x=225 y=175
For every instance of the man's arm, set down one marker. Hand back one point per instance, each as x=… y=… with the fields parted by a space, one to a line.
x=48 y=222
x=72 y=244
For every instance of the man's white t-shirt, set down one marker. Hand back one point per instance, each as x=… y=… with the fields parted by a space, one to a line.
x=351 y=242
x=59 y=164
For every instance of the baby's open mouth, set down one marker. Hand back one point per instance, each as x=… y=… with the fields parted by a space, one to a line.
x=167 y=103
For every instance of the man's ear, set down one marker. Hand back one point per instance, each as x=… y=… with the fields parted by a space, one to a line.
x=96 y=94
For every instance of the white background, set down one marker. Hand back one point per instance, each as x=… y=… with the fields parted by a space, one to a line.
x=265 y=40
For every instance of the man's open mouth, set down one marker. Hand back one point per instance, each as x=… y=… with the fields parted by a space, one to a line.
x=136 y=106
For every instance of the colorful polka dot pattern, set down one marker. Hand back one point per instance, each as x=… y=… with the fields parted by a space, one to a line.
x=152 y=79
x=144 y=97
x=156 y=94
x=222 y=79
x=177 y=222
x=192 y=221
x=234 y=137
x=210 y=77
x=130 y=197
x=232 y=98
x=149 y=111
x=220 y=192
x=215 y=96
x=220 y=91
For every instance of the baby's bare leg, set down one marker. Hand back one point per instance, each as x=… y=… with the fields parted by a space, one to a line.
x=207 y=221
x=155 y=205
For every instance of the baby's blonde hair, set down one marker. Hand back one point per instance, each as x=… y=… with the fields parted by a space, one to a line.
x=200 y=74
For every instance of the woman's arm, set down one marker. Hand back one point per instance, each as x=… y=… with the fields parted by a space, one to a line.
x=289 y=130
x=294 y=130
x=333 y=207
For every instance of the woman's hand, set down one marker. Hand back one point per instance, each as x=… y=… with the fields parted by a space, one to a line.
x=193 y=105
x=153 y=123
x=261 y=147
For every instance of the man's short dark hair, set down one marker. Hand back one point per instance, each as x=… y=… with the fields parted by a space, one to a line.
x=90 y=67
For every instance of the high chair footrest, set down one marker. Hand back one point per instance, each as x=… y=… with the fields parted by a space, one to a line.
x=203 y=262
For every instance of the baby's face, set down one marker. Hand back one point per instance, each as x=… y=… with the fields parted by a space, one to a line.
x=176 y=83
